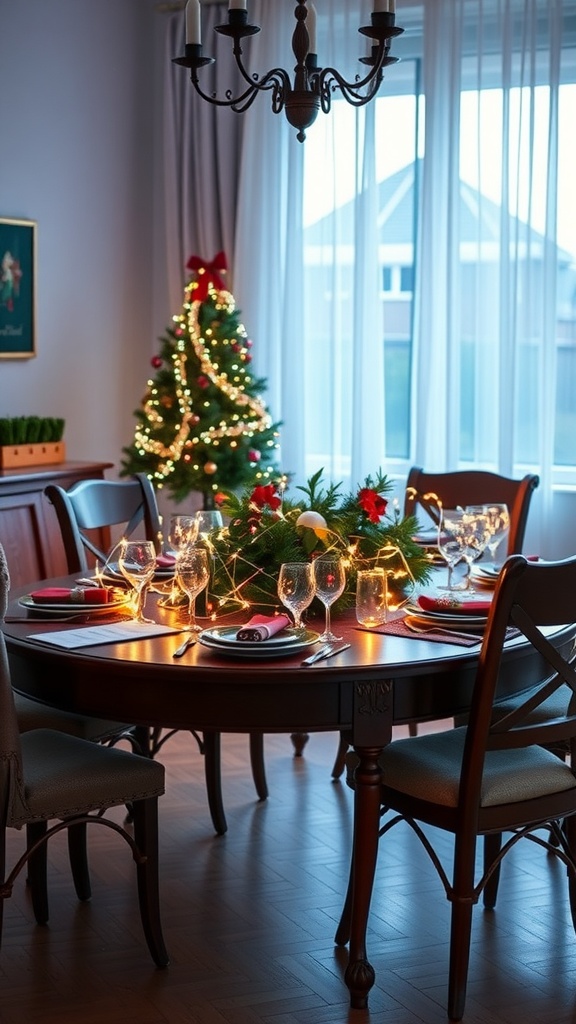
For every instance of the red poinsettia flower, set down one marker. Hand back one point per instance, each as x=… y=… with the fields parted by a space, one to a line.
x=265 y=495
x=373 y=504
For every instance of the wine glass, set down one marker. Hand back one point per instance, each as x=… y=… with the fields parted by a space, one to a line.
x=296 y=588
x=330 y=580
x=451 y=543
x=192 y=575
x=498 y=524
x=183 y=531
x=137 y=562
x=208 y=521
x=475 y=534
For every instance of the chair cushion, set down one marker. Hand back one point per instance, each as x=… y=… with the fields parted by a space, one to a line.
x=428 y=767
x=32 y=714
x=64 y=775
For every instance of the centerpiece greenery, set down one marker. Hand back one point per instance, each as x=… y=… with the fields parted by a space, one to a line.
x=266 y=527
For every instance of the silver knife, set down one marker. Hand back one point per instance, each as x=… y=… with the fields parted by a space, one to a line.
x=323 y=653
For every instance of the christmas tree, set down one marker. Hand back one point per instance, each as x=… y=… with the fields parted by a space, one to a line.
x=202 y=425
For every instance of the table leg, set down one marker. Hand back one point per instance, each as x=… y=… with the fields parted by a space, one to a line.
x=360 y=974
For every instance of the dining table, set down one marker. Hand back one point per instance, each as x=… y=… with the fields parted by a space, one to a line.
x=379 y=681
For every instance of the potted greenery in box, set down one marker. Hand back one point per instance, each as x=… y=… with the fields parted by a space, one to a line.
x=31 y=441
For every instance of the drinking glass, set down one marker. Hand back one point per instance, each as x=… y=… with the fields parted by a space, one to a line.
x=330 y=580
x=183 y=531
x=208 y=521
x=296 y=588
x=498 y=524
x=451 y=543
x=476 y=534
x=371 y=597
x=137 y=562
x=192 y=575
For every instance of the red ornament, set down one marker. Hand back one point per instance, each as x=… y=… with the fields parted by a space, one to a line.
x=203 y=381
x=156 y=362
x=254 y=455
x=247 y=358
x=248 y=343
x=236 y=346
x=210 y=468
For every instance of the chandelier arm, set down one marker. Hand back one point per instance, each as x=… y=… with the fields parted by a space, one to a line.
x=330 y=80
x=276 y=79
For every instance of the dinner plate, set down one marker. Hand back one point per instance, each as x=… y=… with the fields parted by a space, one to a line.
x=460 y=623
x=111 y=572
x=447 y=618
x=227 y=635
x=71 y=607
x=264 y=649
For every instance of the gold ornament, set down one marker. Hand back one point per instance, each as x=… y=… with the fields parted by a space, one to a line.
x=210 y=468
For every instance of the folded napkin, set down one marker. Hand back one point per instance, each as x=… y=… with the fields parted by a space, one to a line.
x=453 y=604
x=262 y=627
x=165 y=561
x=74 y=595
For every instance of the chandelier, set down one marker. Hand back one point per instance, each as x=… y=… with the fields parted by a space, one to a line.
x=313 y=86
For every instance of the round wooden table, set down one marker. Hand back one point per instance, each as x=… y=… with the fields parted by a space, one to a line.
x=378 y=682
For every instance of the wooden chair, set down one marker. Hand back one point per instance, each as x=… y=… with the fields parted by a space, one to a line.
x=48 y=775
x=495 y=776
x=472 y=487
x=462 y=487
x=91 y=508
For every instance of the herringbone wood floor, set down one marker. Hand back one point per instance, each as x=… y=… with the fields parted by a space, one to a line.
x=249 y=918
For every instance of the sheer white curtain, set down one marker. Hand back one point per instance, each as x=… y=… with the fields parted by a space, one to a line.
x=502 y=105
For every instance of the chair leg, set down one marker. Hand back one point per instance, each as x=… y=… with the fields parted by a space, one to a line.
x=77 y=852
x=340 y=762
x=214 y=781
x=37 y=868
x=146 y=838
x=461 y=925
x=257 y=764
x=492 y=845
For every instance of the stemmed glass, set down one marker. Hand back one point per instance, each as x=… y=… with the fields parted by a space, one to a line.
x=137 y=562
x=451 y=544
x=192 y=575
x=208 y=521
x=183 y=531
x=296 y=588
x=498 y=524
x=330 y=580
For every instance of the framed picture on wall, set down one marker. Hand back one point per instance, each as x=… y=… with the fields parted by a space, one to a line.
x=17 y=288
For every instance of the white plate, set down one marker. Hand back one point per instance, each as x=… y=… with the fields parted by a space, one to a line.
x=447 y=618
x=70 y=607
x=227 y=635
x=264 y=649
x=464 y=623
x=111 y=572
x=489 y=571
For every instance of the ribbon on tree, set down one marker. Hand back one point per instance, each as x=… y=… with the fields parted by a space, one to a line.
x=208 y=274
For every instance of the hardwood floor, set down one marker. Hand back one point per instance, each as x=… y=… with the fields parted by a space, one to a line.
x=249 y=918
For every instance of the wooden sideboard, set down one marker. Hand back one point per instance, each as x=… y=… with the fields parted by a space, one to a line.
x=29 y=530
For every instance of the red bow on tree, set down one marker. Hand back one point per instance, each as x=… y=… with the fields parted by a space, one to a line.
x=208 y=273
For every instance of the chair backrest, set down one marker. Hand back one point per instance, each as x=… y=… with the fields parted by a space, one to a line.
x=529 y=596
x=472 y=487
x=101 y=504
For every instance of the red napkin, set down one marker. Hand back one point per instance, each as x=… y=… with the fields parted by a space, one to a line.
x=452 y=603
x=76 y=595
x=165 y=561
x=262 y=627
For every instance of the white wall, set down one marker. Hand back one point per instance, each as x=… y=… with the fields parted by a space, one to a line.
x=77 y=155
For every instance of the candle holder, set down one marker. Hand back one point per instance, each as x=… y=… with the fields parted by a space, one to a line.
x=313 y=86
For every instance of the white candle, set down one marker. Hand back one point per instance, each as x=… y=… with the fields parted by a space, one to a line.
x=193 y=33
x=311 y=28
x=381 y=5
x=392 y=6
x=237 y=5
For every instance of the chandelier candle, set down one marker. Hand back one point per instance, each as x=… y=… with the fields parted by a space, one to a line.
x=193 y=30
